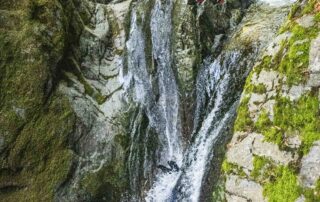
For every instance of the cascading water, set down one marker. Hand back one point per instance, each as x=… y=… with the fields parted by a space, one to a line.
x=219 y=85
x=219 y=82
x=162 y=112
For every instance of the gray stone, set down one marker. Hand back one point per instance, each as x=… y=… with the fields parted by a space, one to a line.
x=268 y=107
x=255 y=101
x=234 y=198
x=20 y=112
x=314 y=80
x=293 y=141
x=314 y=63
x=301 y=199
x=240 y=150
x=268 y=78
x=267 y=149
x=306 y=21
x=296 y=92
x=275 y=45
x=310 y=167
x=244 y=188
x=314 y=56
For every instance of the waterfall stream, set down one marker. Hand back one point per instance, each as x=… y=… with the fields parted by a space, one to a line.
x=219 y=80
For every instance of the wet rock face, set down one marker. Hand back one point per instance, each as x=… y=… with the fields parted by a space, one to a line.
x=75 y=126
x=63 y=95
x=59 y=97
x=271 y=146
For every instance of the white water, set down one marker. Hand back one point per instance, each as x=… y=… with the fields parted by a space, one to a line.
x=163 y=114
x=169 y=101
x=186 y=184
x=217 y=80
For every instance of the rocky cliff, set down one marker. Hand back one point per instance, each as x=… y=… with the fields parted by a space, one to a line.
x=274 y=151
x=95 y=96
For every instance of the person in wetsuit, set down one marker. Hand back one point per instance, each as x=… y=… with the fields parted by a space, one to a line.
x=173 y=167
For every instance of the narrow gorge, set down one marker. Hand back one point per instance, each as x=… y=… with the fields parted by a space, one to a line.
x=160 y=100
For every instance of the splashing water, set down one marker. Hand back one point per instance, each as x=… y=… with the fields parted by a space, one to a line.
x=218 y=81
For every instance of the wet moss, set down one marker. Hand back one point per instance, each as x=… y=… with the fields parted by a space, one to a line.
x=265 y=126
x=35 y=119
x=230 y=168
x=302 y=115
x=312 y=195
x=295 y=53
x=41 y=153
x=284 y=188
x=107 y=184
x=309 y=8
x=243 y=121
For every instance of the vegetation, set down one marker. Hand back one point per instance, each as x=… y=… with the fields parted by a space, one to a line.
x=284 y=188
x=280 y=182
x=243 y=121
x=229 y=168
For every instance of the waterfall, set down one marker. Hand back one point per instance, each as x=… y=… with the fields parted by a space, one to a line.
x=162 y=110
x=169 y=101
x=219 y=78
x=218 y=88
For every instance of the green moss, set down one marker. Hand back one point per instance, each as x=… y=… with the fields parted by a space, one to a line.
x=309 y=8
x=317 y=17
x=36 y=158
x=295 y=53
x=107 y=184
x=263 y=169
x=259 y=89
x=302 y=115
x=265 y=126
x=312 y=195
x=263 y=122
x=294 y=8
x=40 y=151
x=285 y=187
x=258 y=164
x=243 y=121
x=266 y=64
x=229 y=168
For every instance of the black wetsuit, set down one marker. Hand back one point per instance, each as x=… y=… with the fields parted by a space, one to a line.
x=173 y=167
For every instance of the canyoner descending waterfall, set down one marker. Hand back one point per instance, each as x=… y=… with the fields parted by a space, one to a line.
x=151 y=81
x=161 y=107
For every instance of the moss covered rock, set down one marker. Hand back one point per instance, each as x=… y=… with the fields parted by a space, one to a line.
x=281 y=102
